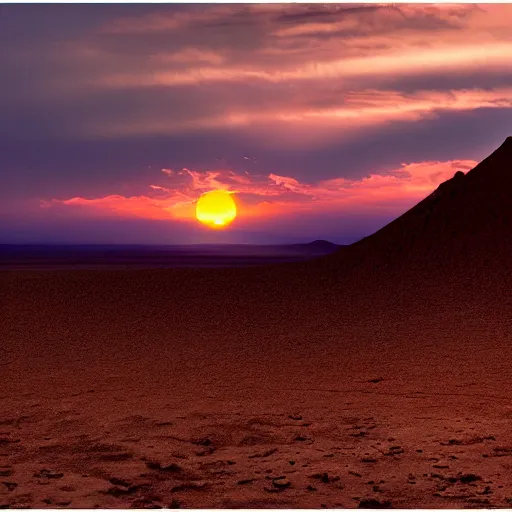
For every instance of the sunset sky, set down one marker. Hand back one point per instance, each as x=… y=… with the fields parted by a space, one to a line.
x=325 y=121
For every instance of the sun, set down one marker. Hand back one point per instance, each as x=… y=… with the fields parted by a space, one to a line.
x=216 y=209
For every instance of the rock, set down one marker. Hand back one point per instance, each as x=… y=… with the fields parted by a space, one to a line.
x=169 y=468
x=325 y=478
x=468 y=478
x=264 y=454
x=118 y=491
x=296 y=417
x=394 y=450
x=10 y=485
x=48 y=473
x=281 y=483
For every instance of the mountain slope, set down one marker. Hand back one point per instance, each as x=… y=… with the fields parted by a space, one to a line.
x=451 y=250
x=462 y=216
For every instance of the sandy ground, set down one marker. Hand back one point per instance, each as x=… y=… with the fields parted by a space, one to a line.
x=130 y=389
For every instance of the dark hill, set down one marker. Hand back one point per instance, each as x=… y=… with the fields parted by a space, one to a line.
x=456 y=244
x=466 y=219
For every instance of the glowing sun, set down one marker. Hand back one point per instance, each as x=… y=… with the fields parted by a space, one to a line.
x=216 y=209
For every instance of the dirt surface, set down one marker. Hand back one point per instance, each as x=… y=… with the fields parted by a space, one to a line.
x=379 y=376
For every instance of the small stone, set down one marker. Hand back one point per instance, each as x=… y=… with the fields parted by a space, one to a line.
x=47 y=473
x=281 y=483
x=169 y=468
x=469 y=477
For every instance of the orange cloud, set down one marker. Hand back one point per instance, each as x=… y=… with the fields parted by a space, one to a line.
x=260 y=197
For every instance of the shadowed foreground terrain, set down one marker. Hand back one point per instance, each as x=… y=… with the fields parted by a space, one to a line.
x=380 y=372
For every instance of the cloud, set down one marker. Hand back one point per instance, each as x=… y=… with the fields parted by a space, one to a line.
x=262 y=197
x=402 y=62
x=263 y=68
x=224 y=16
x=317 y=117
x=158 y=187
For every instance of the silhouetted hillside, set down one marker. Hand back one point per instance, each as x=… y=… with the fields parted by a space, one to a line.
x=463 y=214
x=457 y=242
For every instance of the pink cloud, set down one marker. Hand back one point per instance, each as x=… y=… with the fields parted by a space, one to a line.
x=262 y=197
x=287 y=68
x=158 y=187
x=298 y=122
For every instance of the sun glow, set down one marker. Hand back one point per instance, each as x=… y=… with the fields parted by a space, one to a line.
x=216 y=209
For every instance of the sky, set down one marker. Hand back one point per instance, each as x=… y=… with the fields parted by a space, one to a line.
x=324 y=121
